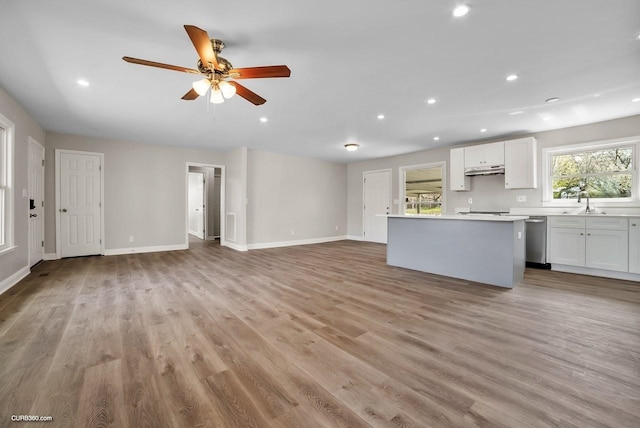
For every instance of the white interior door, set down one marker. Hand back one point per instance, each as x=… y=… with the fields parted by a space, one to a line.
x=80 y=202
x=36 y=201
x=196 y=204
x=377 y=203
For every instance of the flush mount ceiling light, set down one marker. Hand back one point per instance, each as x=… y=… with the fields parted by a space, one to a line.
x=512 y=77
x=264 y=120
x=83 y=83
x=431 y=101
x=483 y=130
x=381 y=116
x=436 y=138
x=461 y=10
x=552 y=100
x=351 y=147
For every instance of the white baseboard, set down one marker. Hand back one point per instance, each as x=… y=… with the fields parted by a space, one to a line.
x=151 y=249
x=355 y=238
x=235 y=246
x=49 y=256
x=596 y=272
x=297 y=242
x=14 y=279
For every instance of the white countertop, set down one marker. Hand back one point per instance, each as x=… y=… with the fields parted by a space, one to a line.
x=474 y=217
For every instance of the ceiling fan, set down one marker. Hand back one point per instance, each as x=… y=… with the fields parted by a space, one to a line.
x=217 y=70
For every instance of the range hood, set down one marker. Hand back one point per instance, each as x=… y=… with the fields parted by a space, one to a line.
x=484 y=170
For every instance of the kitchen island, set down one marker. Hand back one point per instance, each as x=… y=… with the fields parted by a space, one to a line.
x=483 y=248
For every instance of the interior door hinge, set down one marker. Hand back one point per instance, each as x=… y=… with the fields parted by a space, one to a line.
x=99 y=167
x=101 y=240
x=43 y=203
x=100 y=204
x=43 y=243
x=42 y=162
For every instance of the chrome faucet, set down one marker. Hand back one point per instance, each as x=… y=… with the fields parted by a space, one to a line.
x=586 y=210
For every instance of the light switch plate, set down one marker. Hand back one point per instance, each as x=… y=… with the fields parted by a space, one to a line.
x=521 y=198
x=470 y=200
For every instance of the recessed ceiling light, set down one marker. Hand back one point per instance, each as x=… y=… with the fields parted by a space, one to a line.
x=436 y=138
x=546 y=118
x=381 y=116
x=431 y=101
x=483 y=130
x=512 y=77
x=461 y=10
x=83 y=82
x=513 y=113
x=635 y=100
x=552 y=100
x=351 y=147
x=638 y=37
x=264 y=120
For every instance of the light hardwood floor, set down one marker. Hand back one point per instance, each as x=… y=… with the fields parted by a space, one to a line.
x=317 y=335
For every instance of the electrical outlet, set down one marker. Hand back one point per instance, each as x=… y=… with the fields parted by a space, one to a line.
x=131 y=238
x=521 y=198
x=470 y=200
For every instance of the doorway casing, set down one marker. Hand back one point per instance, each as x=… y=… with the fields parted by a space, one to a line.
x=222 y=199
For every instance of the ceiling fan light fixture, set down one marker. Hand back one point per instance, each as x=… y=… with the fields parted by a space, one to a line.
x=228 y=90
x=216 y=95
x=201 y=86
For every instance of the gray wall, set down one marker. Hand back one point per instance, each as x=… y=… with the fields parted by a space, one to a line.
x=145 y=189
x=291 y=193
x=25 y=127
x=488 y=193
x=236 y=196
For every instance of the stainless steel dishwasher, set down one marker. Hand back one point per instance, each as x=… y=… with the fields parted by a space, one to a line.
x=536 y=235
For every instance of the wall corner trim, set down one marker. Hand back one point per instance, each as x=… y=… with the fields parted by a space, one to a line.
x=150 y=249
x=265 y=245
x=355 y=238
x=235 y=246
x=9 y=282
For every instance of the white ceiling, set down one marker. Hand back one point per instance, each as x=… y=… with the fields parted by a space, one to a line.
x=350 y=61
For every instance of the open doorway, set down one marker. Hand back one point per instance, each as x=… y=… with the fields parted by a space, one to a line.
x=205 y=200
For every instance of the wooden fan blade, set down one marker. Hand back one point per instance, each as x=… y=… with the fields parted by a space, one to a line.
x=260 y=72
x=202 y=43
x=248 y=95
x=160 y=65
x=191 y=95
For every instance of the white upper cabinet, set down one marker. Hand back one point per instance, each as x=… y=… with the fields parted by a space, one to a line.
x=457 y=180
x=484 y=155
x=520 y=168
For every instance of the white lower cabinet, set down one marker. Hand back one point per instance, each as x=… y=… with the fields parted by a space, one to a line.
x=567 y=246
x=607 y=249
x=598 y=243
x=634 y=245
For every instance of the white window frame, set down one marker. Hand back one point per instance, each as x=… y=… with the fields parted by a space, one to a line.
x=6 y=182
x=547 y=170
x=402 y=191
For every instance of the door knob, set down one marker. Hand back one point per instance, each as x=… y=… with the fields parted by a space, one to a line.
x=33 y=215
x=64 y=210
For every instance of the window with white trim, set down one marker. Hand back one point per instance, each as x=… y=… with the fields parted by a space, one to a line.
x=602 y=171
x=6 y=178
x=422 y=189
